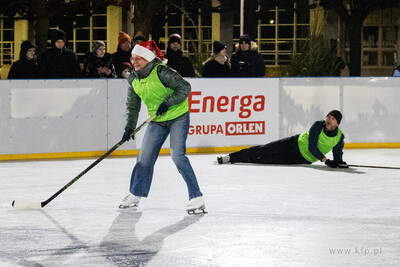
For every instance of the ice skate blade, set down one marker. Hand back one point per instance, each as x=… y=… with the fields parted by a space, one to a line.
x=200 y=210
x=129 y=206
x=197 y=211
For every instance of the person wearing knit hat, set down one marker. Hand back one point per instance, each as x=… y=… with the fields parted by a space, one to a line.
x=59 y=61
x=123 y=53
x=311 y=146
x=124 y=41
x=244 y=39
x=58 y=35
x=247 y=61
x=26 y=67
x=165 y=93
x=218 y=46
x=98 y=63
x=96 y=45
x=139 y=38
x=175 y=38
x=337 y=115
x=218 y=64
x=176 y=59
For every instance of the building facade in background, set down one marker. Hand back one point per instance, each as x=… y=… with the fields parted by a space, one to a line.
x=279 y=34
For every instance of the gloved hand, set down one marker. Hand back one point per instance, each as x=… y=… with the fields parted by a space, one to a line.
x=331 y=163
x=343 y=165
x=162 y=109
x=127 y=135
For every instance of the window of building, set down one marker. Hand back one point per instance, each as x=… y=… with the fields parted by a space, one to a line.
x=6 y=41
x=379 y=39
x=194 y=27
x=280 y=34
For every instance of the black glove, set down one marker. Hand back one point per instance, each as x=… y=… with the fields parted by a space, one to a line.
x=127 y=135
x=331 y=163
x=162 y=109
x=343 y=165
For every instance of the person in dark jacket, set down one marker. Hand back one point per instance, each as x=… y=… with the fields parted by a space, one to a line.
x=247 y=61
x=176 y=59
x=123 y=53
x=165 y=93
x=218 y=65
x=98 y=63
x=26 y=67
x=305 y=148
x=59 y=61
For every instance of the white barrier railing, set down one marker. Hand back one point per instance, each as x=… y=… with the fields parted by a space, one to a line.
x=61 y=116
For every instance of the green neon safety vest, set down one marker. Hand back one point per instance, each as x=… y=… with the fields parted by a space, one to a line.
x=325 y=144
x=152 y=92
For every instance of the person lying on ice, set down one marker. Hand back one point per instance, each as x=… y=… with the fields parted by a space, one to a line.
x=305 y=148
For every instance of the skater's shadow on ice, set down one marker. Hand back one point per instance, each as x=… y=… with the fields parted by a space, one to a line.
x=44 y=245
x=122 y=247
x=328 y=169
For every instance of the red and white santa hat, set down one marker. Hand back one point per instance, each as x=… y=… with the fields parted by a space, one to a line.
x=149 y=51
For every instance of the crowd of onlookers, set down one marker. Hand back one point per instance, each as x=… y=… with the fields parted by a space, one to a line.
x=60 y=62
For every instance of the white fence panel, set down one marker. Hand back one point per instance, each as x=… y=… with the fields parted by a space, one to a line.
x=55 y=116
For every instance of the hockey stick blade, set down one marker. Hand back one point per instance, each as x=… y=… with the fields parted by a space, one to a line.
x=21 y=204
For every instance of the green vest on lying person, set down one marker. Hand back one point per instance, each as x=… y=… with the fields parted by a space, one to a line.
x=325 y=144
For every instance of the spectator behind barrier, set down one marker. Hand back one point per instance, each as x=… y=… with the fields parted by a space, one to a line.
x=126 y=68
x=26 y=67
x=98 y=63
x=123 y=53
x=247 y=61
x=176 y=59
x=59 y=61
x=218 y=65
x=139 y=38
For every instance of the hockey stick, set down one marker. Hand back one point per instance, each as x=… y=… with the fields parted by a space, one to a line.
x=37 y=205
x=376 y=167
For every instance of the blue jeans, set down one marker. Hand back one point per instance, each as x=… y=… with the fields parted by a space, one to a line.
x=154 y=138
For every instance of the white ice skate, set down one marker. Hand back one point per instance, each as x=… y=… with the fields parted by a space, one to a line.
x=223 y=160
x=196 y=206
x=129 y=201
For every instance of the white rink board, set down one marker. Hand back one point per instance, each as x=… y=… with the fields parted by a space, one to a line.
x=55 y=116
x=370 y=106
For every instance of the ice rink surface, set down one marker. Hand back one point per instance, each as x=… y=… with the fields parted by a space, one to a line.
x=259 y=215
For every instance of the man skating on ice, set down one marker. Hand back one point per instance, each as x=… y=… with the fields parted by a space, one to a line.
x=165 y=94
x=305 y=148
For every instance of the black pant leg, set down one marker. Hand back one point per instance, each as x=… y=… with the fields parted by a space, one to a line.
x=283 y=151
